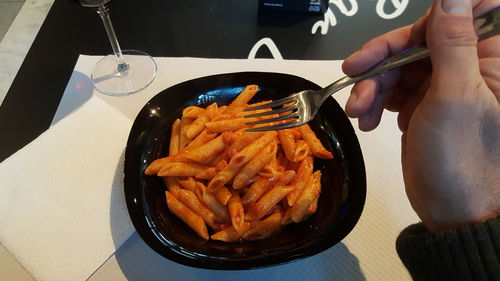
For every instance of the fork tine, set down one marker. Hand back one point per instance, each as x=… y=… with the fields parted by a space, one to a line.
x=271 y=112
x=275 y=119
x=272 y=104
x=277 y=127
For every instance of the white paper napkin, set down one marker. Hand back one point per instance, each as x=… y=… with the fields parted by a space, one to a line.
x=62 y=212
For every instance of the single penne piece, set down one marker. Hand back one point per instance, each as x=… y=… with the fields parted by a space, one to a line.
x=241 y=141
x=174 y=138
x=208 y=174
x=197 y=126
x=188 y=183
x=265 y=228
x=285 y=177
x=200 y=140
x=221 y=164
x=236 y=211
x=255 y=191
x=217 y=208
x=242 y=99
x=223 y=195
x=314 y=143
x=183 y=139
x=257 y=104
x=307 y=197
x=205 y=151
x=268 y=200
x=172 y=185
x=156 y=166
x=301 y=151
x=296 y=133
x=287 y=141
x=178 y=169
x=190 y=200
x=194 y=221
x=229 y=234
x=212 y=110
x=193 y=112
x=313 y=207
x=253 y=167
x=299 y=181
x=270 y=170
x=240 y=159
x=227 y=125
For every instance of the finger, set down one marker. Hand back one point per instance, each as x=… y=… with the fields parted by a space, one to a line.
x=490 y=70
x=452 y=44
x=364 y=92
x=371 y=119
x=489 y=47
x=361 y=98
x=376 y=50
x=418 y=29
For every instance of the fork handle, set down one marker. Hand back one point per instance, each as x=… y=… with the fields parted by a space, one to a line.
x=488 y=24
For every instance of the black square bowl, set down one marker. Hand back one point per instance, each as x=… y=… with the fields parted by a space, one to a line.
x=343 y=178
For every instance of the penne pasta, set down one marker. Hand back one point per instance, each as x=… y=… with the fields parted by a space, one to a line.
x=155 y=166
x=190 y=200
x=301 y=151
x=256 y=190
x=268 y=200
x=299 y=181
x=243 y=140
x=200 y=140
x=308 y=195
x=183 y=139
x=229 y=234
x=227 y=125
x=236 y=211
x=263 y=229
x=240 y=159
x=174 y=138
x=253 y=167
x=197 y=126
x=208 y=174
x=172 y=185
x=217 y=208
x=191 y=219
x=243 y=185
x=193 y=112
x=213 y=111
x=188 y=183
x=242 y=99
x=223 y=195
x=205 y=151
x=287 y=141
x=317 y=148
x=177 y=169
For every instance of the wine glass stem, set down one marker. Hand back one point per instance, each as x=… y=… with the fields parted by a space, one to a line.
x=103 y=11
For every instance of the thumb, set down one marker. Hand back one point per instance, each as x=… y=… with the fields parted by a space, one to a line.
x=452 y=43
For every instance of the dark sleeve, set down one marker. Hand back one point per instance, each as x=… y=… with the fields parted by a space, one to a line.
x=467 y=253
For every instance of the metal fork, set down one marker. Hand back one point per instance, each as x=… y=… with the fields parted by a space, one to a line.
x=303 y=106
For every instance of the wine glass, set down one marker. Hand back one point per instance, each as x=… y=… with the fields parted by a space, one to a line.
x=125 y=71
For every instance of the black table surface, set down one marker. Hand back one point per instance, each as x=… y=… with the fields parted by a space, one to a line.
x=208 y=28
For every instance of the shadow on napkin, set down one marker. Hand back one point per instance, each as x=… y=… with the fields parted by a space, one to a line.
x=79 y=89
x=138 y=262
x=120 y=222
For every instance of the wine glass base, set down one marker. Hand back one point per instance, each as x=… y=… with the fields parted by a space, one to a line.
x=110 y=79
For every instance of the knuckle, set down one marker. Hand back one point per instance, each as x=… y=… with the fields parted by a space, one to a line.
x=457 y=37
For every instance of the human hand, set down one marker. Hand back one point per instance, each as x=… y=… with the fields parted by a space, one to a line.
x=449 y=112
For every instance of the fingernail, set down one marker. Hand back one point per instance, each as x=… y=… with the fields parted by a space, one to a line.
x=459 y=7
